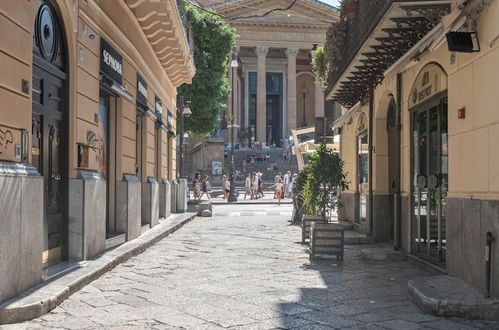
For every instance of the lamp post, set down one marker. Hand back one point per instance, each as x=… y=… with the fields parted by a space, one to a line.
x=183 y=109
x=233 y=64
x=304 y=91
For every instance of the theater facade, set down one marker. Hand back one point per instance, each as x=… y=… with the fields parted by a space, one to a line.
x=87 y=127
x=275 y=88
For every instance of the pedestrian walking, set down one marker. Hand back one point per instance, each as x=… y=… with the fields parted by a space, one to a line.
x=206 y=187
x=196 y=185
x=227 y=189
x=247 y=186
x=278 y=190
x=254 y=187
x=224 y=180
x=260 y=190
x=286 y=183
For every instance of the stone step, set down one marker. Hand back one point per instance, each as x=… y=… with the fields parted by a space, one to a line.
x=354 y=238
x=360 y=228
x=448 y=296
x=382 y=254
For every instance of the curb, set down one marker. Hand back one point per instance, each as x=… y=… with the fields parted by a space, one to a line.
x=457 y=299
x=44 y=297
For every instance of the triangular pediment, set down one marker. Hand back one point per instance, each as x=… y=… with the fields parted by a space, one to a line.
x=303 y=12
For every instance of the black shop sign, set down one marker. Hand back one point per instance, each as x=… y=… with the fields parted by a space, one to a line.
x=141 y=91
x=111 y=62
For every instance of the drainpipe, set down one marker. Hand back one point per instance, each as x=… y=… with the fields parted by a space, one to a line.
x=489 y=239
x=398 y=198
x=370 y=155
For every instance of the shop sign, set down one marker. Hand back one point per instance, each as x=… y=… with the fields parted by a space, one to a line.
x=169 y=121
x=158 y=105
x=430 y=81
x=141 y=90
x=111 y=62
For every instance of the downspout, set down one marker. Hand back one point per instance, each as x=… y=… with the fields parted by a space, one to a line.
x=370 y=159
x=398 y=198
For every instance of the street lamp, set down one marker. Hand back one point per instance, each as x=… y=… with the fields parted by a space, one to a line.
x=304 y=91
x=183 y=110
x=233 y=64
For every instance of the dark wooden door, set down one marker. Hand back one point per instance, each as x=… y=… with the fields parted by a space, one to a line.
x=273 y=119
x=49 y=129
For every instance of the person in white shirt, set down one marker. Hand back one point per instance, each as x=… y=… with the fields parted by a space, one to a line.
x=227 y=188
x=286 y=183
x=247 y=186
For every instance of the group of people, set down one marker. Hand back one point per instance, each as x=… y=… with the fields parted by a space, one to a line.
x=201 y=186
x=284 y=185
x=253 y=186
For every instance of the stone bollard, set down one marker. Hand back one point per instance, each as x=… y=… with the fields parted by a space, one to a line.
x=204 y=209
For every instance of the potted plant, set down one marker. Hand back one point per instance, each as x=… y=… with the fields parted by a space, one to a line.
x=349 y=8
x=320 y=184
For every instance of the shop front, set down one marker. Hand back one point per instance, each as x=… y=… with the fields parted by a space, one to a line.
x=428 y=108
x=78 y=140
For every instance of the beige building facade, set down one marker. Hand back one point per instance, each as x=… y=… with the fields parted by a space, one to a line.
x=87 y=128
x=275 y=89
x=419 y=137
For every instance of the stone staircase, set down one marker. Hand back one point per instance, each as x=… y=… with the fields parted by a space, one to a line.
x=275 y=154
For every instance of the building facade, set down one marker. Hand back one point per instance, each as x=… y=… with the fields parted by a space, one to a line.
x=87 y=128
x=275 y=89
x=419 y=137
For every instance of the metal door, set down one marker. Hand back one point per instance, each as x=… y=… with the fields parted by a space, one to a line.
x=49 y=129
x=430 y=180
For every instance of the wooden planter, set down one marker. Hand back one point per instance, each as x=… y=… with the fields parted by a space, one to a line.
x=326 y=238
x=306 y=221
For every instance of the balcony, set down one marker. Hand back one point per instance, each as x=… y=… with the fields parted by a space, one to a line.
x=185 y=23
x=380 y=33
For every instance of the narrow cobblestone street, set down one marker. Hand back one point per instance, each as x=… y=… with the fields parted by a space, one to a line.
x=245 y=269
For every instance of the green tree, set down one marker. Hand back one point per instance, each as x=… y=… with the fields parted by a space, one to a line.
x=213 y=40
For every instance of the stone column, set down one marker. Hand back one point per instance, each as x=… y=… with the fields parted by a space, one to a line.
x=261 y=95
x=291 y=110
x=319 y=99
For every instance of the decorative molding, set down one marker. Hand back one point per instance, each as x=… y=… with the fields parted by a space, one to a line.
x=261 y=51
x=292 y=52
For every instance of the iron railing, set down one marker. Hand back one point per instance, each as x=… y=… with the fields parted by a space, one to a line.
x=185 y=23
x=368 y=16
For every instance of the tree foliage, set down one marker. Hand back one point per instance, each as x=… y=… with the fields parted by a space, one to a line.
x=213 y=41
x=321 y=182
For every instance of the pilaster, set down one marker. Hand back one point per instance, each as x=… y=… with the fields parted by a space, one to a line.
x=291 y=53
x=261 y=94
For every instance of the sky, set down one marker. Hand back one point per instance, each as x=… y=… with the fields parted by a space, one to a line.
x=331 y=2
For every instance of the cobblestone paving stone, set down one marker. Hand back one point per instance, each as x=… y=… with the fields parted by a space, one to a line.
x=246 y=272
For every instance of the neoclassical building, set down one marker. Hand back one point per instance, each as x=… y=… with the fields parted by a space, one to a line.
x=275 y=88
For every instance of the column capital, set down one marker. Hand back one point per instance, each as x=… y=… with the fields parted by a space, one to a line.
x=292 y=52
x=261 y=50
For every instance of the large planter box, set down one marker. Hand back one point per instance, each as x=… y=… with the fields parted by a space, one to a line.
x=306 y=221
x=326 y=238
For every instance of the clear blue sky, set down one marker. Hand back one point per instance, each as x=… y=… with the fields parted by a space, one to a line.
x=331 y=2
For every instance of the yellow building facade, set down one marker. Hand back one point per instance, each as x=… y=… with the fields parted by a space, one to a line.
x=87 y=128
x=419 y=137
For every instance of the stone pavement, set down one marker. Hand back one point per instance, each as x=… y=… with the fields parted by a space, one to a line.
x=246 y=272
